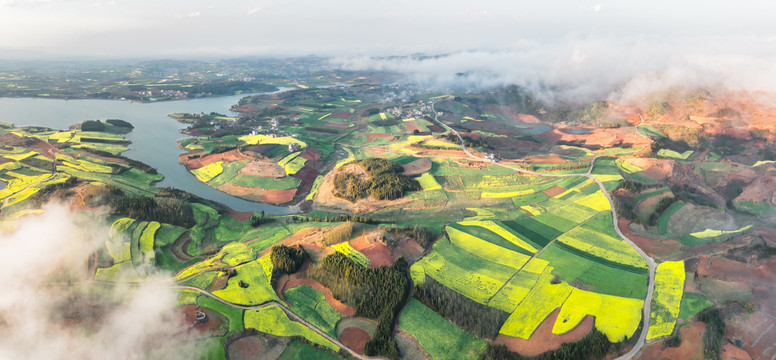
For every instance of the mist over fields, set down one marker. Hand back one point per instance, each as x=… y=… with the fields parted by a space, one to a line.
x=581 y=70
x=49 y=311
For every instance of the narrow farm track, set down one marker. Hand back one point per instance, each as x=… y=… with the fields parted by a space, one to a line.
x=650 y=261
x=288 y=312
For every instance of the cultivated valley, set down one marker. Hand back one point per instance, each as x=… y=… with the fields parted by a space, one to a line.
x=408 y=222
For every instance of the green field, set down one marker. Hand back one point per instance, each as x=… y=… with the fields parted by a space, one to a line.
x=311 y=305
x=287 y=182
x=428 y=183
x=437 y=336
x=662 y=222
x=604 y=278
x=472 y=276
x=298 y=350
x=273 y=320
x=693 y=303
x=258 y=290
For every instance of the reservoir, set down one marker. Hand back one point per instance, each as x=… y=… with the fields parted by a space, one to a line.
x=154 y=138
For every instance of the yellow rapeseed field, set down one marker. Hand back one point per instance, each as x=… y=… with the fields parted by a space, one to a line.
x=493 y=194
x=616 y=317
x=486 y=250
x=208 y=172
x=273 y=320
x=669 y=288
x=543 y=299
x=500 y=231
x=596 y=201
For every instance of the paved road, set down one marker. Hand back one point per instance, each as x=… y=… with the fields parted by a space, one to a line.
x=650 y=261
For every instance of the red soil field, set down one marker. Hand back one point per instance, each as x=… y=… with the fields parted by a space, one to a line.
x=543 y=339
x=355 y=339
x=370 y=137
x=335 y=125
x=529 y=119
x=263 y=168
x=307 y=175
x=311 y=154
x=212 y=323
x=341 y=114
x=411 y=126
x=554 y=191
x=229 y=156
x=663 y=249
x=378 y=253
x=691 y=347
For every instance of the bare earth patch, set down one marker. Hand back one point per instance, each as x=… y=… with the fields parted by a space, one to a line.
x=417 y=167
x=263 y=168
x=378 y=253
x=691 y=347
x=355 y=339
x=554 y=191
x=196 y=163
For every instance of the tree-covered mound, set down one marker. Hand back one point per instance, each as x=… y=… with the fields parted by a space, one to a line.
x=385 y=181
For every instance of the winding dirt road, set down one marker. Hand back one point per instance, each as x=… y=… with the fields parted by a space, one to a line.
x=650 y=261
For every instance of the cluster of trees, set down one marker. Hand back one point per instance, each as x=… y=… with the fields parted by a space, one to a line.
x=480 y=320
x=92 y=125
x=386 y=122
x=322 y=129
x=338 y=234
x=258 y=218
x=120 y=123
x=666 y=143
x=39 y=163
x=41 y=195
x=335 y=218
x=468 y=141
x=569 y=166
x=662 y=206
x=385 y=181
x=286 y=259
x=634 y=186
x=375 y=293
x=593 y=346
x=715 y=331
x=167 y=210
x=421 y=234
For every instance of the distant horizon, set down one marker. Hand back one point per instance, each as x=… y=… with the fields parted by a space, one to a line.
x=120 y=29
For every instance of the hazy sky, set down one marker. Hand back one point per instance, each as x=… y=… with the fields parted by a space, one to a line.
x=157 y=28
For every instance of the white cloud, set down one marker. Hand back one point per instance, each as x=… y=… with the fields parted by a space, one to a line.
x=50 y=310
x=580 y=70
x=255 y=9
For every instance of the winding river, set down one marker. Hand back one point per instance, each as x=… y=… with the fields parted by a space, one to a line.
x=154 y=139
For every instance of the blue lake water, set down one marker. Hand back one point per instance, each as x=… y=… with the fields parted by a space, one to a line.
x=154 y=139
